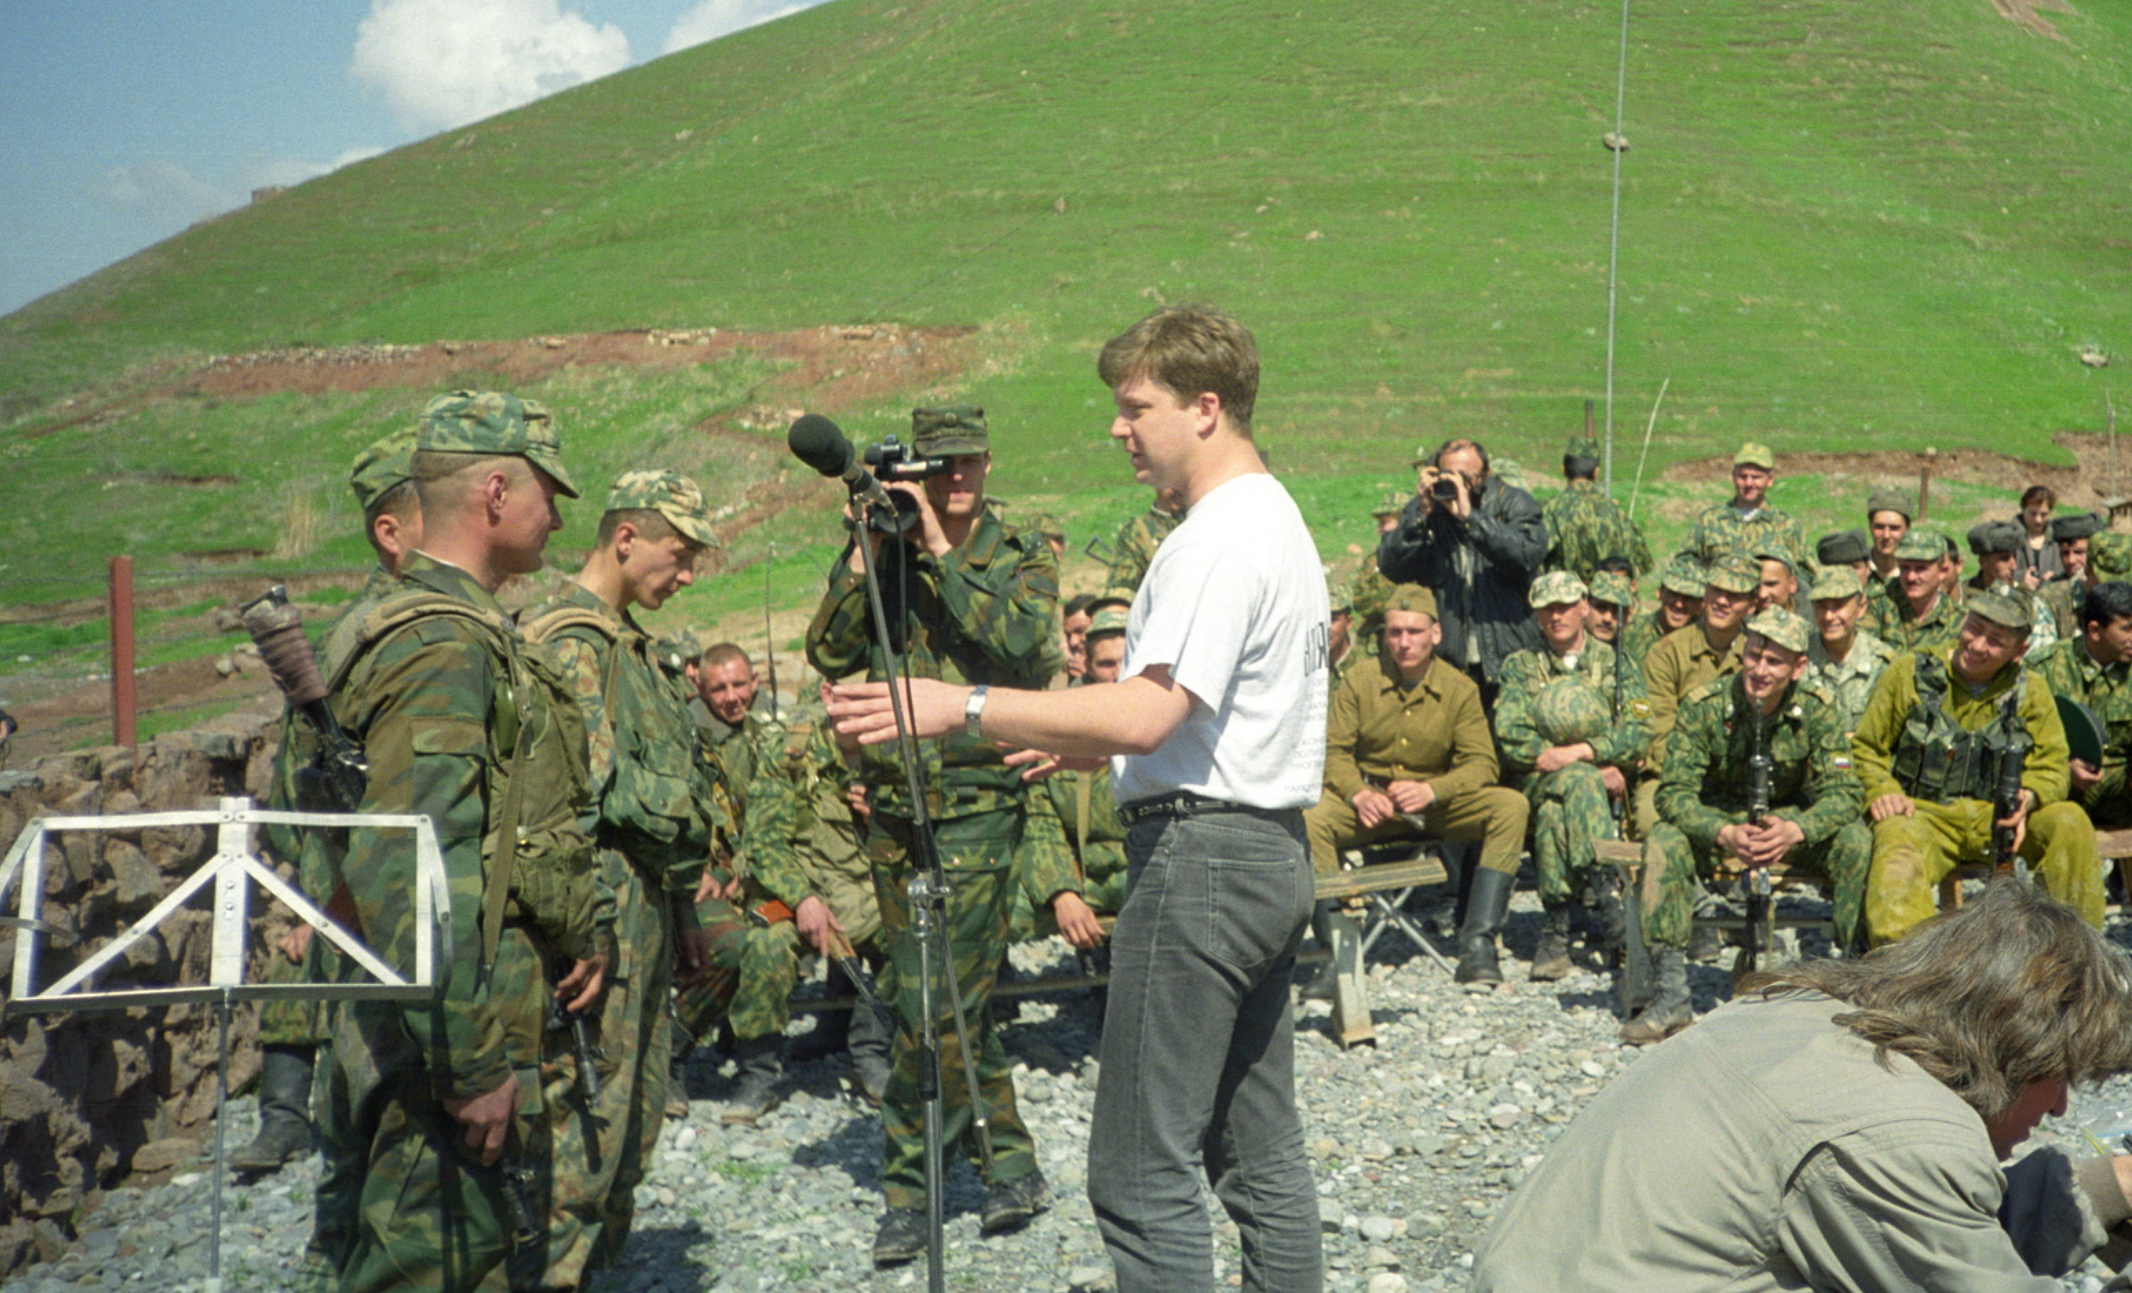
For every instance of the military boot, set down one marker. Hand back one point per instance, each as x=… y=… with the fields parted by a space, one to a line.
x=1316 y=983
x=832 y=1028
x=761 y=1066
x=284 y=1110
x=1609 y=918
x=1669 y=1011
x=1550 y=959
x=871 y=1032
x=1486 y=906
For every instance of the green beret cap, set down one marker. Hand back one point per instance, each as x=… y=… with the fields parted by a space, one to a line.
x=1891 y=500
x=1612 y=587
x=491 y=422
x=1785 y=628
x=670 y=494
x=1921 y=545
x=1755 y=454
x=1683 y=575
x=1111 y=619
x=2075 y=525
x=950 y=429
x=2004 y=605
x=1734 y=574
x=382 y=467
x=1412 y=598
x=1836 y=583
x=2110 y=555
x=1557 y=588
x=1843 y=547
x=1994 y=537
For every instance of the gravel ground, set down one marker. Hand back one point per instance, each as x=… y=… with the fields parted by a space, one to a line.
x=1415 y=1142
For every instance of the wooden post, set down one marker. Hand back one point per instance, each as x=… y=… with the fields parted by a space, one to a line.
x=122 y=699
x=1924 y=483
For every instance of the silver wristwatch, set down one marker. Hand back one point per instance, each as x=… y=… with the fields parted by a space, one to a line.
x=973 y=710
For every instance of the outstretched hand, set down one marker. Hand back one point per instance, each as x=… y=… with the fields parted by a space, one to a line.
x=864 y=710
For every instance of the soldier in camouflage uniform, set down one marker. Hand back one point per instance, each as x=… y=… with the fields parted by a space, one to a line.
x=452 y=1099
x=652 y=838
x=1684 y=661
x=1370 y=590
x=1703 y=799
x=1747 y=523
x=1928 y=752
x=981 y=607
x=1572 y=727
x=1889 y=513
x=1843 y=660
x=2073 y=534
x=2094 y=667
x=1135 y=545
x=1852 y=549
x=1997 y=546
x=1680 y=603
x=1611 y=600
x=1584 y=526
x=1916 y=613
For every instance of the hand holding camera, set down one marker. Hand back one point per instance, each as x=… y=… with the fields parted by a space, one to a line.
x=1441 y=487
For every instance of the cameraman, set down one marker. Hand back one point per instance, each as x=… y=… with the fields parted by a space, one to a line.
x=1476 y=543
x=971 y=602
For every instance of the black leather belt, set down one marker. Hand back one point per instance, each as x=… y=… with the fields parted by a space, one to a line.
x=1182 y=803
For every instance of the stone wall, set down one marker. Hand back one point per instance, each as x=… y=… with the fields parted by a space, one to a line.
x=88 y=1097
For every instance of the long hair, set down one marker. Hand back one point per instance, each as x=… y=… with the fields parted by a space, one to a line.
x=2011 y=989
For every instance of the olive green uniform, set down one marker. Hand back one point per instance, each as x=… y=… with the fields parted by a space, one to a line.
x=1570 y=806
x=1134 y=549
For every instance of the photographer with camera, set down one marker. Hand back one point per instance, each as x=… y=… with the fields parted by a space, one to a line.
x=968 y=600
x=1475 y=542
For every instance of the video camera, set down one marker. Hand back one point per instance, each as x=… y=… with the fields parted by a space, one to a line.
x=893 y=460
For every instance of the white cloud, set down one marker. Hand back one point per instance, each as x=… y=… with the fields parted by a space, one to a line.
x=711 y=19
x=443 y=63
x=160 y=192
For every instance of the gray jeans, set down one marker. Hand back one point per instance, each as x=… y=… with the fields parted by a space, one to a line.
x=1199 y=1058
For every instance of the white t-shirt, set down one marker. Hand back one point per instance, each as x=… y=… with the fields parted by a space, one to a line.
x=1234 y=603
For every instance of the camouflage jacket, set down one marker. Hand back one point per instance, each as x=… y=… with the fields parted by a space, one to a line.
x=1528 y=673
x=1080 y=797
x=648 y=776
x=1134 y=550
x=1892 y=621
x=1722 y=529
x=987 y=612
x=1638 y=636
x=2107 y=689
x=1705 y=786
x=1584 y=527
x=1849 y=684
x=1682 y=661
x=801 y=834
x=439 y=705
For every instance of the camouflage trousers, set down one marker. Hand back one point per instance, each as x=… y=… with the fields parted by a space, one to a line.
x=700 y=1005
x=1494 y=815
x=1911 y=855
x=286 y=1021
x=1673 y=870
x=1570 y=810
x=769 y=971
x=981 y=893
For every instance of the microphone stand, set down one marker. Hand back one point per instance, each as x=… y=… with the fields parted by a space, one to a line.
x=929 y=891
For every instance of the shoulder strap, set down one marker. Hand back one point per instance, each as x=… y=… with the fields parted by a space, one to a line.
x=546 y=626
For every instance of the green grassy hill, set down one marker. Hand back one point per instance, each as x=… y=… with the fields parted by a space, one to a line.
x=1844 y=227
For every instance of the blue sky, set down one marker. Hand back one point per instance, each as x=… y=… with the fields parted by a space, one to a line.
x=124 y=121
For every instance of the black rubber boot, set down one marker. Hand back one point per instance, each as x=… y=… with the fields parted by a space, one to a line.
x=1550 y=959
x=1316 y=982
x=1609 y=918
x=1669 y=1011
x=761 y=1063
x=832 y=1028
x=1486 y=906
x=284 y=1110
x=870 y=1034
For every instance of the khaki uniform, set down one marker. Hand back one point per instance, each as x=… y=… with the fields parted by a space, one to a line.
x=1434 y=732
x=1912 y=854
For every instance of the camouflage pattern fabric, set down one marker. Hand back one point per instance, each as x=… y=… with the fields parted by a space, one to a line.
x=802 y=836
x=1638 y=636
x=1134 y=550
x=1705 y=789
x=1043 y=867
x=1570 y=806
x=1849 y=684
x=2072 y=672
x=1723 y=530
x=1584 y=527
x=700 y=1005
x=1892 y=620
x=1367 y=595
x=1079 y=796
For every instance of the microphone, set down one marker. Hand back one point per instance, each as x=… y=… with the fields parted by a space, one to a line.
x=822 y=445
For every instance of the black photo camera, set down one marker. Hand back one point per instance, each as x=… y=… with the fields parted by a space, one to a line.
x=1444 y=489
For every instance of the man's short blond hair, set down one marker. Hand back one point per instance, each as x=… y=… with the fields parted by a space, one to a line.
x=1189 y=350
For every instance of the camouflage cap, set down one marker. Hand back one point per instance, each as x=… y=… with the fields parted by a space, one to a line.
x=1777 y=552
x=670 y=494
x=1423 y=453
x=1995 y=537
x=676 y=652
x=382 y=467
x=1557 y=588
x=491 y=422
x=1734 y=573
x=2075 y=525
x=1921 y=545
x=1786 y=629
x=1049 y=526
x=2004 y=605
x=1111 y=619
x=1835 y=584
x=1683 y=575
x=1580 y=455
x=1613 y=588
x=1755 y=454
x=1412 y=598
x=1343 y=602
x=2110 y=555
x=1891 y=500
x=950 y=429
x=1843 y=547
x=1392 y=505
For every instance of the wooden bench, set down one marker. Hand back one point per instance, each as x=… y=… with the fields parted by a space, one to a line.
x=1369 y=897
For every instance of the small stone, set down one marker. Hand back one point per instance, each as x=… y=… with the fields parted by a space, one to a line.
x=1379 y=1229
x=1592 y=1069
x=1380 y=1258
x=1331 y=1216
x=1388 y=1282
x=1090 y=1279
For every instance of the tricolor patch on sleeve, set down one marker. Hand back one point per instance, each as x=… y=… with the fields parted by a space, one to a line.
x=1841 y=762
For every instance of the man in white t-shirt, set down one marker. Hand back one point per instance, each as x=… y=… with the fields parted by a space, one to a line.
x=1218 y=722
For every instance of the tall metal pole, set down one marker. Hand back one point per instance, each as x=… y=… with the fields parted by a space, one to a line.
x=1619 y=144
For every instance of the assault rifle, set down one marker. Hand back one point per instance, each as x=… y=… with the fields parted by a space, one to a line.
x=2006 y=801
x=335 y=781
x=1756 y=881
